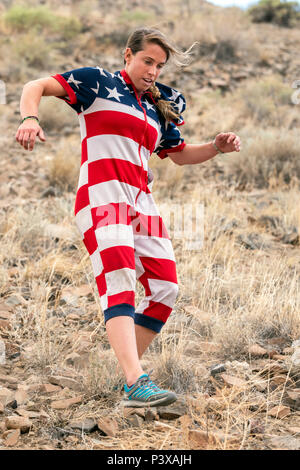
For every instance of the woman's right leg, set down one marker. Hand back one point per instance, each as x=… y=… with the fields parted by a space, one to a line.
x=121 y=335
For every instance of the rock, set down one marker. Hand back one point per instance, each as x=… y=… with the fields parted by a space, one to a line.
x=159 y=426
x=108 y=426
x=21 y=397
x=279 y=357
x=295 y=358
x=5 y=325
x=256 y=350
x=65 y=382
x=42 y=415
x=203 y=438
x=1 y=408
x=73 y=358
x=15 y=300
x=49 y=388
x=256 y=427
x=233 y=381
x=284 y=442
x=270 y=368
x=292 y=398
x=135 y=421
x=6 y=396
x=218 y=83
x=8 y=379
x=2 y=352
x=214 y=403
x=252 y=241
x=169 y=413
x=18 y=422
x=260 y=384
x=151 y=414
x=294 y=429
x=279 y=411
x=11 y=437
x=296 y=344
x=64 y=404
x=217 y=369
x=87 y=425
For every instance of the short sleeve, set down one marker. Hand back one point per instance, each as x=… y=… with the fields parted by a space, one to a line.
x=171 y=139
x=82 y=86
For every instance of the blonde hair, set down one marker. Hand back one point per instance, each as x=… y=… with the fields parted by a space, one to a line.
x=136 y=42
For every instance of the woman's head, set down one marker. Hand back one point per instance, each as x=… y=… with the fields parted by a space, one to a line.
x=146 y=52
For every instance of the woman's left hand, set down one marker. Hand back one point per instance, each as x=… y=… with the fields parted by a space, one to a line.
x=228 y=142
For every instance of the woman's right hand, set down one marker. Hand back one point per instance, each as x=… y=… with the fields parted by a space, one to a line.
x=27 y=133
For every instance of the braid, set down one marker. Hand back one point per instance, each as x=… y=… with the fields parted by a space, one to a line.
x=164 y=106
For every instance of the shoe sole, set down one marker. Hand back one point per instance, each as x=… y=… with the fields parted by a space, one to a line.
x=143 y=404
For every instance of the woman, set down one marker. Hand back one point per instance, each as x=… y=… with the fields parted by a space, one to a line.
x=124 y=117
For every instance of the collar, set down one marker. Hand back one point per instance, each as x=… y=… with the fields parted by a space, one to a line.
x=128 y=81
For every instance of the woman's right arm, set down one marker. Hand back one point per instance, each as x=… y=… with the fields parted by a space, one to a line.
x=29 y=104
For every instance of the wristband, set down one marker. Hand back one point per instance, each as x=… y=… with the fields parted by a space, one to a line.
x=214 y=144
x=30 y=117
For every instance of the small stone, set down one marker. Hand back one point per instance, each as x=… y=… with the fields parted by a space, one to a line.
x=159 y=426
x=65 y=382
x=73 y=358
x=108 y=426
x=169 y=413
x=279 y=357
x=49 y=388
x=18 y=422
x=8 y=379
x=11 y=437
x=64 y=404
x=135 y=421
x=233 y=381
x=284 y=442
x=279 y=411
x=1 y=408
x=294 y=429
x=6 y=396
x=292 y=398
x=151 y=415
x=256 y=350
x=217 y=369
x=87 y=425
x=21 y=396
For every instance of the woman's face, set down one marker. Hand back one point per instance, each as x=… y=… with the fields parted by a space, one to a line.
x=145 y=66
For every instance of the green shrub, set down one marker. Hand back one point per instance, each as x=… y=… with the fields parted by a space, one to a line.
x=283 y=13
x=37 y=19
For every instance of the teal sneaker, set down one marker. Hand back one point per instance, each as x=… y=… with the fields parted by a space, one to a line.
x=145 y=393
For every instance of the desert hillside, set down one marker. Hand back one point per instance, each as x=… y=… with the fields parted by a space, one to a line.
x=231 y=347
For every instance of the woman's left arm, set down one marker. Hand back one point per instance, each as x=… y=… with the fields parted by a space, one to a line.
x=197 y=153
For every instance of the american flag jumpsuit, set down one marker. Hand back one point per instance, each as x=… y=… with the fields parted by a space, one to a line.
x=115 y=213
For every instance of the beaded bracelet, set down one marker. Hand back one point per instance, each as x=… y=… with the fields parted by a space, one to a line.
x=30 y=117
x=217 y=148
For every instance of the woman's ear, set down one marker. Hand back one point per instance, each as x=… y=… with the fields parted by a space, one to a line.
x=127 y=55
